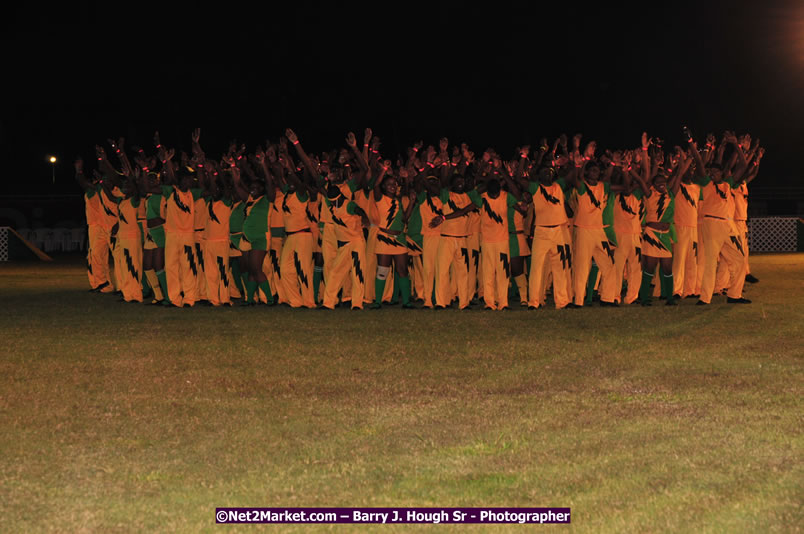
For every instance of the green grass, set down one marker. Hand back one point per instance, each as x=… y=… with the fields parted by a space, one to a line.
x=119 y=417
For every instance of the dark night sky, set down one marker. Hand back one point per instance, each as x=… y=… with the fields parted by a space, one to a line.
x=496 y=76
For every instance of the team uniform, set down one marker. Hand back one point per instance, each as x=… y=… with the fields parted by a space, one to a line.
x=518 y=247
x=391 y=241
x=216 y=251
x=237 y=278
x=551 y=246
x=452 y=263
x=256 y=236
x=429 y=208
x=628 y=214
x=296 y=261
x=740 y=194
x=181 y=264
x=494 y=246
x=351 y=254
x=99 y=233
x=659 y=208
x=155 y=239
x=592 y=241
x=129 y=259
x=686 y=249
x=200 y=220
x=272 y=268
x=720 y=236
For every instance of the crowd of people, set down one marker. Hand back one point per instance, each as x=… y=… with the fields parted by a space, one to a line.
x=439 y=225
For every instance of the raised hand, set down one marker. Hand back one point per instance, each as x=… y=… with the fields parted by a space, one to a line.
x=443 y=144
x=524 y=151
x=367 y=136
x=100 y=153
x=157 y=142
x=576 y=141
x=79 y=165
x=291 y=135
x=351 y=140
x=196 y=135
x=645 y=141
x=589 y=152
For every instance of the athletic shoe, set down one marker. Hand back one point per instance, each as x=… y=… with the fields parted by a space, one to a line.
x=738 y=301
x=751 y=279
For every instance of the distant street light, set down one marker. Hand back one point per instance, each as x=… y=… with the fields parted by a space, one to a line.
x=52 y=160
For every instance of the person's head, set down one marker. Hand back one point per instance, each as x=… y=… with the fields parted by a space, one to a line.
x=334 y=194
x=493 y=188
x=186 y=180
x=256 y=188
x=389 y=185
x=152 y=181
x=591 y=172
x=432 y=185
x=660 y=181
x=547 y=175
x=458 y=183
x=715 y=172
x=129 y=188
x=336 y=174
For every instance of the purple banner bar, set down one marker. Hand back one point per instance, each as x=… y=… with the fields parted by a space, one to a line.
x=392 y=515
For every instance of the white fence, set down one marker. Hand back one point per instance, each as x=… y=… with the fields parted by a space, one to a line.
x=772 y=234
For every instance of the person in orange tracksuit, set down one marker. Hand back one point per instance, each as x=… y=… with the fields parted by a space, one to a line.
x=348 y=219
x=494 y=247
x=550 y=244
x=741 y=209
x=687 y=248
x=719 y=233
x=181 y=267
x=628 y=212
x=453 y=254
x=98 y=229
x=591 y=239
x=129 y=236
x=216 y=242
x=429 y=208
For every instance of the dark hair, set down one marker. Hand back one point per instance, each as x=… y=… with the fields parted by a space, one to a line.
x=493 y=187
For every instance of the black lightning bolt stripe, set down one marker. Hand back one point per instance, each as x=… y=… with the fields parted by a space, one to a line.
x=222 y=272
x=721 y=194
x=212 y=215
x=275 y=263
x=649 y=238
x=199 y=255
x=391 y=213
x=736 y=240
x=310 y=216
x=182 y=206
x=285 y=207
x=569 y=255
x=687 y=195
x=563 y=254
x=387 y=240
x=454 y=207
x=660 y=205
x=337 y=220
x=191 y=259
x=548 y=197
x=130 y=264
x=624 y=205
x=357 y=267
x=607 y=246
x=123 y=217
x=432 y=205
x=494 y=216
x=695 y=248
x=506 y=268
x=638 y=253
x=592 y=197
x=465 y=254
x=476 y=257
x=89 y=265
x=342 y=244
x=299 y=270
x=109 y=212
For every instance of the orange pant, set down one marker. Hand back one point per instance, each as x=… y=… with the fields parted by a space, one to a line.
x=550 y=250
x=593 y=243
x=720 y=237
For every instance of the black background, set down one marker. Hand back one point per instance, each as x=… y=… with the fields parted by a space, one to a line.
x=493 y=75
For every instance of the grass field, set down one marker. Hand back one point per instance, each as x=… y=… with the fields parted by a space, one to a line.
x=119 y=417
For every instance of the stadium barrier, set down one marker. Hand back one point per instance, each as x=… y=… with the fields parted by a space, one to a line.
x=774 y=234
